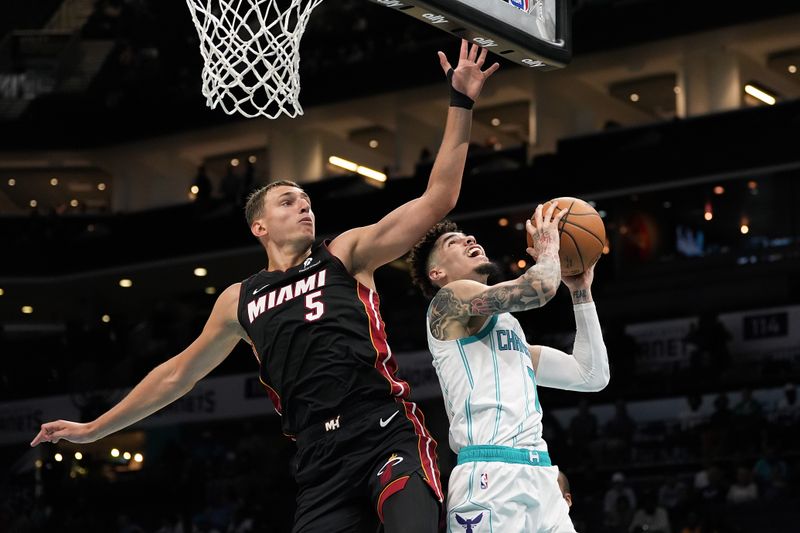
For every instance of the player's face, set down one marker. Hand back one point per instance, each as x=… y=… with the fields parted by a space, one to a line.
x=459 y=256
x=288 y=215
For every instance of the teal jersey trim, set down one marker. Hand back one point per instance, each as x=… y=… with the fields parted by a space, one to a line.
x=499 y=407
x=535 y=392
x=525 y=384
x=468 y=411
x=503 y=454
x=489 y=326
x=466 y=365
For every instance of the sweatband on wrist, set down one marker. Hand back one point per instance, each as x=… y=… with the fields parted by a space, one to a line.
x=457 y=98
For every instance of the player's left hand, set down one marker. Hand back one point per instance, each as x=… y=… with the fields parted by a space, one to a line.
x=581 y=281
x=468 y=78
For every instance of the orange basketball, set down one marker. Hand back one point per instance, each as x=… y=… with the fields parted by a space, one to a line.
x=583 y=235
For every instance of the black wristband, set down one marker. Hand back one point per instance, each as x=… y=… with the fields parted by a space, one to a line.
x=457 y=98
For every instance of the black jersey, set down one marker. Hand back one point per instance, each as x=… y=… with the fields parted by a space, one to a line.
x=319 y=339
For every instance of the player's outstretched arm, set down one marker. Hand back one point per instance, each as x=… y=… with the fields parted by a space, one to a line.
x=367 y=248
x=455 y=303
x=587 y=368
x=165 y=383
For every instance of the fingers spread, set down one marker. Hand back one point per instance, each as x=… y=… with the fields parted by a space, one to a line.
x=464 y=49
x=444 y=62
x=482 y=56
x=491 y=70
x=473 y=52
x=550 y=209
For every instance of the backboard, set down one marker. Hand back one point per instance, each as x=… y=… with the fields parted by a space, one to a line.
x=533 y=33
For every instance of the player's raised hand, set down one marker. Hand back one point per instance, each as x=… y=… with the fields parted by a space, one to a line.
x=581 y=281
x=468 y=78
x=63 y=429
x=543 y=232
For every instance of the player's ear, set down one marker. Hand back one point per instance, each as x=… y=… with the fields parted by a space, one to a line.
x=436 y=273
x=258 y=228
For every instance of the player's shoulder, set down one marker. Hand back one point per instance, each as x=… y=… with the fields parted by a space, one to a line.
x=462 y=289
x=228 y=300
x=452 y=301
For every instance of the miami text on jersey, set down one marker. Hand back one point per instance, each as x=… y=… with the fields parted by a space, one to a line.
x=276 y=297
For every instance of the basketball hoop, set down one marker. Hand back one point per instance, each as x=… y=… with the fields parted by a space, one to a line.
x=251 y=51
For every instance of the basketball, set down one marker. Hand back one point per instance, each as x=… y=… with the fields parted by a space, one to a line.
x=582 y=232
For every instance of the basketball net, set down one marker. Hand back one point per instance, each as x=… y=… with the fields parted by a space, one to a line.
x=251 y=51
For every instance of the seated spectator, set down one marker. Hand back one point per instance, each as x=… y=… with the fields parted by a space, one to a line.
x=203 y=184
x=771 y=475
x=785 y=417
x=619 y=517
x=618 y=489
x=692 y=421
x=618 y=434
x=748 y=421
x=717 y=434
x=673 y=494
x=650 y=516
x=583 y=431
x=744 y=490
x=710 y=485
x=692 y=523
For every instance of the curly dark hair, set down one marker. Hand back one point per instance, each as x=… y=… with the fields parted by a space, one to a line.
x=419 y=257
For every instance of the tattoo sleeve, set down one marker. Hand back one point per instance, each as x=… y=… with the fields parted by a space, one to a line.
x=532 y=289
x=444 y=308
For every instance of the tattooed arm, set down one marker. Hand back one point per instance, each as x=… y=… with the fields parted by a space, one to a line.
x=453 y=306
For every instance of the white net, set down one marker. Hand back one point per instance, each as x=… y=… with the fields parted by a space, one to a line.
x=251 y=51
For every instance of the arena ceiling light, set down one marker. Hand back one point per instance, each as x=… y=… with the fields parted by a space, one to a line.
x=200 y=272
x=355 y=167
x=760 y=93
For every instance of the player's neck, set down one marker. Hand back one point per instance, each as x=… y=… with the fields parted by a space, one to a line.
x=285 y=257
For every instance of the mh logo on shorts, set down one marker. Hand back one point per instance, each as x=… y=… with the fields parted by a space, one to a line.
x=467 y=523
x=385 y=473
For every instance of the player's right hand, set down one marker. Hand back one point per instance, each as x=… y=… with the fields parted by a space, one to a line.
x=543 y=230
x=64 y=429
x=468 y=78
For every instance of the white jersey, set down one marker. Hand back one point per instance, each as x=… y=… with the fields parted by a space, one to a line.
x=489 y=386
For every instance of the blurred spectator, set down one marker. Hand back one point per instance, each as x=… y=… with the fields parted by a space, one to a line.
x=618 y=434
x=692 y=523
x=618 y=518
x=126 y=525
x=248 y=181
x=650 y=516
x=203 y=184
x=748 y=422
x=583 y=431
x=771 y=474
x=619 y=489
x=710 y=484
x=692 y=417
x=692 y=424
x=744 y=490
x=673 y=494
x=785 y=418
x=716 y=437
x=231 y=186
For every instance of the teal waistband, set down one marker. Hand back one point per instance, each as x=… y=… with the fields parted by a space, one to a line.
x=503 y=454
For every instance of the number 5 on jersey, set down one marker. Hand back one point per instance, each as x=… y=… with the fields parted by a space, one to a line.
x=314 y=307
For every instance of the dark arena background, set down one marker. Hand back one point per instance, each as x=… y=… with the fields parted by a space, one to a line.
x=121 y=221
